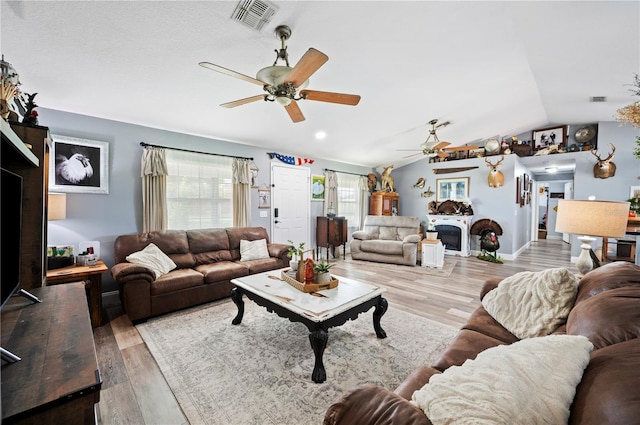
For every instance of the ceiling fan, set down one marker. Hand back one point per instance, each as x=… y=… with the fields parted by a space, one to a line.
x=286 y=85
x=432 y=147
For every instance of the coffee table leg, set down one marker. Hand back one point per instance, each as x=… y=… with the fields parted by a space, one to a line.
x=381 y=309
x=318 y=339
x=236 y=296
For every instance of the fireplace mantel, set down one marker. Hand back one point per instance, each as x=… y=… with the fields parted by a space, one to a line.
x=463 y=222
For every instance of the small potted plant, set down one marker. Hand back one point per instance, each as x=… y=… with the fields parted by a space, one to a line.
x=322 y=271
x=295 y=254
x=432 y=233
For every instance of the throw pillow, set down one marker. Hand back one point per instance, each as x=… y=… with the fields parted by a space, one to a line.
x=532 y=381
x=153 y=258
x=253 y=250
x=530 y=304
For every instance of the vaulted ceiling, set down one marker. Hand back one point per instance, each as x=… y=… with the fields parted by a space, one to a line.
x=491 y=68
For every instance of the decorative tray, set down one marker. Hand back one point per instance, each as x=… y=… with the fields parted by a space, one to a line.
x=289 y=276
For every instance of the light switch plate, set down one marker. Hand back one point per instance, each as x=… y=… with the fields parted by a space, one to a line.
x=263 y=214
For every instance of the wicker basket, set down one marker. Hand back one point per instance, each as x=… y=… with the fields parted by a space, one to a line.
x=290 y=277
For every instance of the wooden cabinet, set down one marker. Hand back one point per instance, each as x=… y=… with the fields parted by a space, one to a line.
x=58 y=380
x=331 y=232
x=33 y=165
x=384 y=203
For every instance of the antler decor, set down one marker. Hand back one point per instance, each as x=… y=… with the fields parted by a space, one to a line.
x=604 y=168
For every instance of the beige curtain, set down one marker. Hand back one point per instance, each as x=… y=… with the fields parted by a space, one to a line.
x=363 y=185
x=154 y=189
x=330 y=191
x=241 y=192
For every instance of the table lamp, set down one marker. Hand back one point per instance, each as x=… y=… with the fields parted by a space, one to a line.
x=607 y=219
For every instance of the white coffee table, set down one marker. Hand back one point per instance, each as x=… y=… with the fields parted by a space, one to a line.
x=318 y=311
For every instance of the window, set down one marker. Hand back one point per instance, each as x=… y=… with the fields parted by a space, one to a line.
x=199 y=191
x=349 y=199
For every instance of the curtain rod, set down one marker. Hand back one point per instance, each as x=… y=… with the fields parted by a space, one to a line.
x=343 y=172
x=143 y=144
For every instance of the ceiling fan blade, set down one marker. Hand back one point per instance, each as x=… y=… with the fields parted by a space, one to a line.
x=441 y=145
x=409 y=156
x=226 y=71
x=310 y=62
x=325 y=96
x=244 y=101
x=443 y=154
x=294 y=111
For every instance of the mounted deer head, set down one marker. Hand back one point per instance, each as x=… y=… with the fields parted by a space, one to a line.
x=496 y=178
x=604 y=168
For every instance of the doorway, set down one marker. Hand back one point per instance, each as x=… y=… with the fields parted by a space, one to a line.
x=290 y=204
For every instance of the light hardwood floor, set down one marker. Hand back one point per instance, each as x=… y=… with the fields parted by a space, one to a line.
x=134 y=390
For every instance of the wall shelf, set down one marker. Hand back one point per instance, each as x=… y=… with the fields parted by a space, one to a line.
x=14 y=141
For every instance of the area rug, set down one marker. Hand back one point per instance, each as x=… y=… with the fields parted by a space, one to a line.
x=259 y=372
x=413 y=271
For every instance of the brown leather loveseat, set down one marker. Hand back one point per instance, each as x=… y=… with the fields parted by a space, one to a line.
x=606 y=311
x=206 y=260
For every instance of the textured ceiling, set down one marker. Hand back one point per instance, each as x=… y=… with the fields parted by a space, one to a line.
x=491 y=68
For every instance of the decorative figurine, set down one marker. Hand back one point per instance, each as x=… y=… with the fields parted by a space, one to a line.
x=308 y=271
x=387 y=179
x=30 y=115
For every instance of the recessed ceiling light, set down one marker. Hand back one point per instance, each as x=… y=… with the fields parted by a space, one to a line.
x=551 y=169
x=320 y=135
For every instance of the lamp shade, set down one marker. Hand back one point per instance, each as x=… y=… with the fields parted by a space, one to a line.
x=57 y=206
x=592 y=218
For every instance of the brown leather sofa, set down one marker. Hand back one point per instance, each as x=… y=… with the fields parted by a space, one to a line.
x=606 y=310
x=206 y=262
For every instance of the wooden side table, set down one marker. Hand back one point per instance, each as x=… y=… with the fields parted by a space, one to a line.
x=92 y=277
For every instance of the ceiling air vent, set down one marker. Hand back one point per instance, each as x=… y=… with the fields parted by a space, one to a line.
x=254 y=13
x=598 y=98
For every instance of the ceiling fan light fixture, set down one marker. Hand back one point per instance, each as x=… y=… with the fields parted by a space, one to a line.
x=283 y=100
x=276 y=74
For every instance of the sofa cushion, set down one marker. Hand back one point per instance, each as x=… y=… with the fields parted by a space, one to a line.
x=532 y=381
x=382 y=247
x=176 y=280
x=608 y=318
x=221 y=271
x=209 y=245
x=153 y=258
x=253 y=250
x=603 y=396
x=466 y=345
x=531 y=304
x=236 y=234
x=389 y=233
x=174 y=243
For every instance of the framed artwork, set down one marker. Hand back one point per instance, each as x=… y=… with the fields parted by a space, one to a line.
x=264 y=198
x=78 y=165
x=518 y=190
x=455 y=189
x=547 y=137
x=317 y=188
x=634 y=192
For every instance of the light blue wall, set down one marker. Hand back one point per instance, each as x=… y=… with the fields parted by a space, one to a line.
x=104 y=217
x=499 y=203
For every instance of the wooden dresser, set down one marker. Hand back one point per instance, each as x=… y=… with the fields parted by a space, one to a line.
x=57 y=380
x=331 y=232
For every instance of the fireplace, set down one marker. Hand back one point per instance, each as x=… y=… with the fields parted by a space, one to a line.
x=453 y=231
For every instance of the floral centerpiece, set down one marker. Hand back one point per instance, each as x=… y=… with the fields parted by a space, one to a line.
x=295 y=254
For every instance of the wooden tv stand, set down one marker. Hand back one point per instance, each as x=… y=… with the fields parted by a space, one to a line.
x=57 y=380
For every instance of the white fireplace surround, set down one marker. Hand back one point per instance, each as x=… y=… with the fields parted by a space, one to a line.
x=463 y=222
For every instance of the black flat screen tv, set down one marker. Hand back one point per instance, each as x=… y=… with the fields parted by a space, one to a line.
x=11 y=217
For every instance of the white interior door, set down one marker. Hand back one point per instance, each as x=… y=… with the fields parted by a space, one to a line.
x=290 y=204
x=568 y=194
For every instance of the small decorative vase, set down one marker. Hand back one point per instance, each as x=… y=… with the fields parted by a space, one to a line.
x=294 y=265
x=432 y=236
x=323 y=277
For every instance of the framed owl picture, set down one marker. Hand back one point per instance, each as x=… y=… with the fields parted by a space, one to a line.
x=78 y=165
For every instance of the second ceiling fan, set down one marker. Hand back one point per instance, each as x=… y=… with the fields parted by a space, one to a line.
x=286 y=85
x=432 y=147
